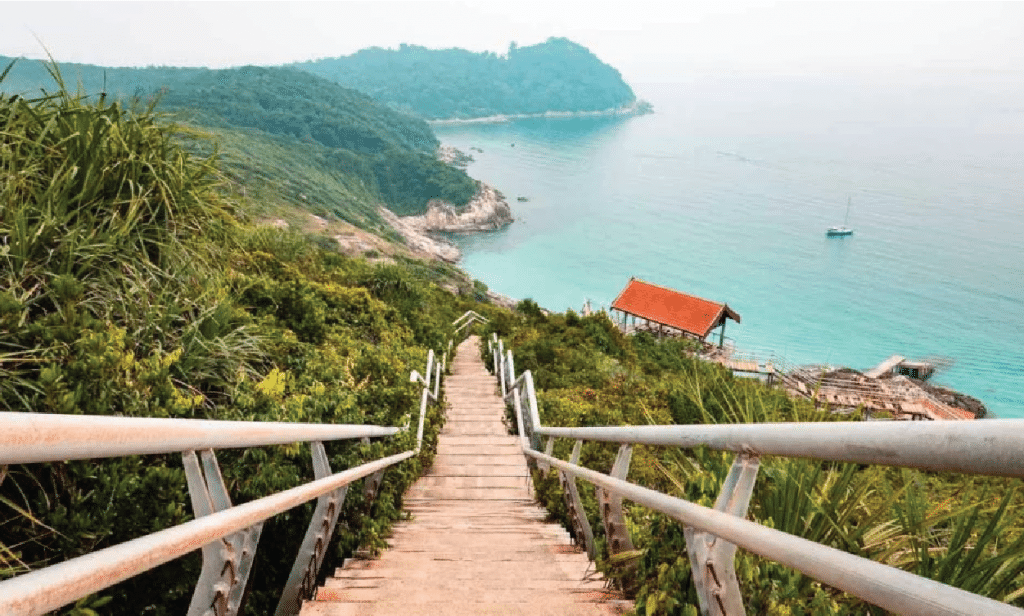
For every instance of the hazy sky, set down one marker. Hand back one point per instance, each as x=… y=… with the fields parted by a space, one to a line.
x=648 y=41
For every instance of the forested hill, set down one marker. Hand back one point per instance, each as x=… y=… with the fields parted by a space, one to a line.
x=278 y=100
x=557 y=75
x=383 y=155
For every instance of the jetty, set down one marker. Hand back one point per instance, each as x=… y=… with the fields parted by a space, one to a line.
x=897 y=364
x=889 y=390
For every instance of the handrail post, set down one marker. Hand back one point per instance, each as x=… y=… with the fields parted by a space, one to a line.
x=423 y=415
x=531 y=399
x=500 y=368
x=610 y=505
x=574 y=506
x=549 y=450
x=228 y=561
x=510 y=368
x=524 y=440
x=372 y=486
x=430 y=368
x=437 y=381
x=712 y=558
x=302 y=580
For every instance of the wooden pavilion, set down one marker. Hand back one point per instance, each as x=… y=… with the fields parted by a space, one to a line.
x=665 y=311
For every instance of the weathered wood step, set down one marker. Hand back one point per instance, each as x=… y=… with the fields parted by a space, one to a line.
x=476 y=543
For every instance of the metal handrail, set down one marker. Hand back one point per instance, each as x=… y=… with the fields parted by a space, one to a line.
x=472 y=316
x=41 y=591
x=228 y=534
x=987 y=447
x=888 y=587
x=29 y=438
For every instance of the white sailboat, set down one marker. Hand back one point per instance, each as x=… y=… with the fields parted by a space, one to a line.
x=843 y=230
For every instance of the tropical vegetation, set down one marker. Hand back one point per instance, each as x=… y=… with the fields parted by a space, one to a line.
x=132 y=285
x=556 y=75
x=387 y=158
x=960 y=530
x=135 y=280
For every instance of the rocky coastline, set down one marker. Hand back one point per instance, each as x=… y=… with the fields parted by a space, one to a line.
x=487 y=211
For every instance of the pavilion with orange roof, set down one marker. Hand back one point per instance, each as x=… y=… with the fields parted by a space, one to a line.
x=672 y=312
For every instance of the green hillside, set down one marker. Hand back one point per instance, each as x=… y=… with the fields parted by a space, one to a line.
x=557 y=75
x=381 y=155
x=131 y=285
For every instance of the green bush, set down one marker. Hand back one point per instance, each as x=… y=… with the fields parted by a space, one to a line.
x=934 y=525
x=130 y=288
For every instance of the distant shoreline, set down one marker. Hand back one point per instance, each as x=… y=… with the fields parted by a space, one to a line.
x=639 y=107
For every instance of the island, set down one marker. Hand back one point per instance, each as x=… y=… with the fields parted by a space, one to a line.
x=555 y=78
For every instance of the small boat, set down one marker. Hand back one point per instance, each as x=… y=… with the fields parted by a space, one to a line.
x=843 y=230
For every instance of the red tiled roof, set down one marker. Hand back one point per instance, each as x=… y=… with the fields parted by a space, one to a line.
x=667 y=307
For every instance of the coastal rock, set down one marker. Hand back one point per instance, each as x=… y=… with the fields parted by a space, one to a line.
x=418 y=241
x=487 y=211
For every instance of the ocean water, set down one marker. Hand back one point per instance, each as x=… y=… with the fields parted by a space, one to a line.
x=726 y=193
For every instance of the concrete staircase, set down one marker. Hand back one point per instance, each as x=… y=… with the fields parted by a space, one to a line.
x=476 y=544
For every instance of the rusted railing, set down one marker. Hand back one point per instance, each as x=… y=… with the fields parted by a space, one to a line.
x=987 y=447
x=228 y=534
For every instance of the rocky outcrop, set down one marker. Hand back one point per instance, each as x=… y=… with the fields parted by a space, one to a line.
x=487 y=211
x=418 y=241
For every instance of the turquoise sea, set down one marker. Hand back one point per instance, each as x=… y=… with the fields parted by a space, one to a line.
x=726 y=192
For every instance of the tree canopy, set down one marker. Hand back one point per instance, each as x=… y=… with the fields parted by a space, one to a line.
x=557 y=75
x=363 y=143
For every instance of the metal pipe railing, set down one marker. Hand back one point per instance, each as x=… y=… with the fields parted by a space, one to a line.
x=988 y=447
x=47 y=589
x=28 y=438
x=985 y=447
x=38 y=437
x=887 y=587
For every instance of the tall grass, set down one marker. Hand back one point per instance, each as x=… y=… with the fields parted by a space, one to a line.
x=104 y=218
x=113 y=297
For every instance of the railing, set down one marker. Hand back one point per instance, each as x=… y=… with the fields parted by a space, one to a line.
x=467 y=319
x=227 y=534
x=989 y=447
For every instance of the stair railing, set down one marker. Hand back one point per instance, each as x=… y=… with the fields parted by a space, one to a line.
x=467 y=319
x=987 y=447
x=227 y=534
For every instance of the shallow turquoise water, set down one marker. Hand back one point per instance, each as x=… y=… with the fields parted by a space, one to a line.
x=726 y=193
